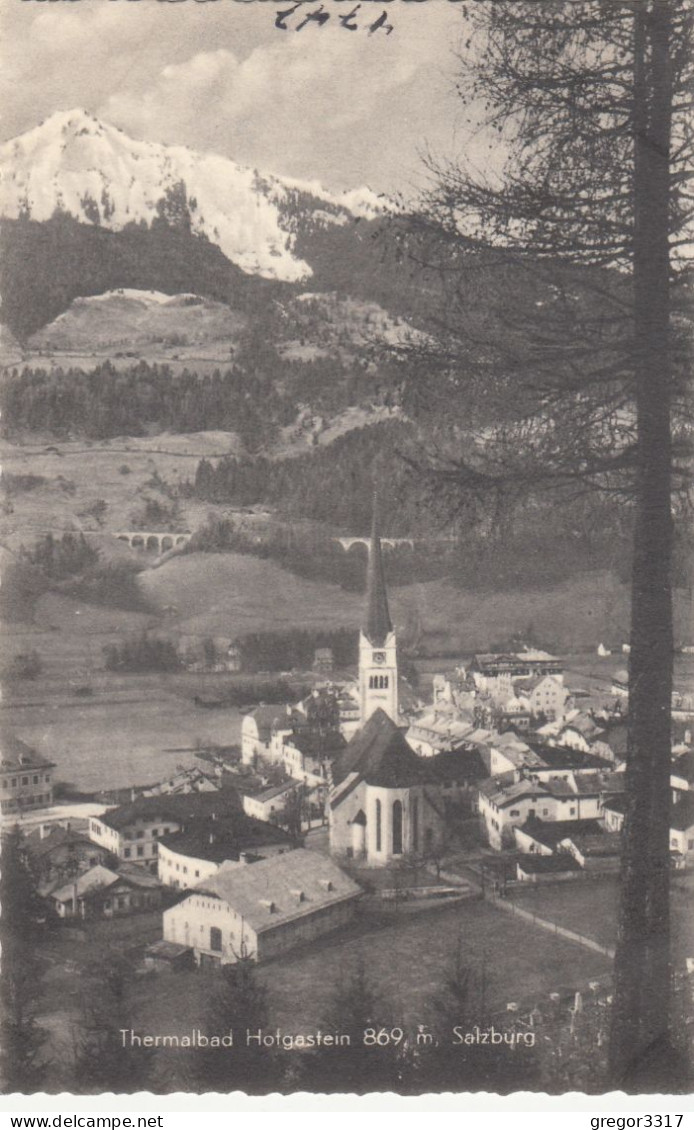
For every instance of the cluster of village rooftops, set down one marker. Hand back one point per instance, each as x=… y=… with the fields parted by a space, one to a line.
x=504 y=747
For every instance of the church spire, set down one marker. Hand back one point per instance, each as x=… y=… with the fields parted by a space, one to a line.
x=378 y=625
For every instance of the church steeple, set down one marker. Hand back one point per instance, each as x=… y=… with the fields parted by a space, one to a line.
x=378 y=657
x=377 y=625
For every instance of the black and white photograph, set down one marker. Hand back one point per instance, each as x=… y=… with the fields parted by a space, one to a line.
x=346 y=636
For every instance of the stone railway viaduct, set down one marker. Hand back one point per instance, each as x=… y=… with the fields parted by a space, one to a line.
x=161 y=541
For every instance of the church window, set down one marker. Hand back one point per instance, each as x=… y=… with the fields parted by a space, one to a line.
x=378 y=825
x=385 y=682
x=397 y=828
x=415 y=824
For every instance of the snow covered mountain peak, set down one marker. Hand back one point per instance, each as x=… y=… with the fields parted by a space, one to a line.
x=94 y=172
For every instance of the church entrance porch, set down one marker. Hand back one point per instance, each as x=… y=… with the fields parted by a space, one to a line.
x=359 y=836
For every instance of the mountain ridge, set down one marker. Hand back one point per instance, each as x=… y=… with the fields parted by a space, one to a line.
x=93 y=171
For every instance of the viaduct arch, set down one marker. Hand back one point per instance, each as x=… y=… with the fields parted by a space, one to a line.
x=157 y=540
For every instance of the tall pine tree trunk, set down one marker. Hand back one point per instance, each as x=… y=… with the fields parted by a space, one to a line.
x=641 y=1050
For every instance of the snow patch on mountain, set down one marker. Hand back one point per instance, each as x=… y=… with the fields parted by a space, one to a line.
x=130 y=318
x=93 y=171
x=154 y=297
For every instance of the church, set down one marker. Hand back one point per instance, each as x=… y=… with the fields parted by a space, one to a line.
x=383 y=805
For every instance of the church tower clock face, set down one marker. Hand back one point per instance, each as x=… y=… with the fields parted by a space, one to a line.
x=379 y=657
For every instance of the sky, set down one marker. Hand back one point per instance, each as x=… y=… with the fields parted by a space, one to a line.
x=345 y=108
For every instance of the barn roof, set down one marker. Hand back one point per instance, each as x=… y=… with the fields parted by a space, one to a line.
x=274 y=891
x=17 y=755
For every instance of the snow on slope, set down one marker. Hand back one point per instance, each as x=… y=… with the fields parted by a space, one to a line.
x=96 y=173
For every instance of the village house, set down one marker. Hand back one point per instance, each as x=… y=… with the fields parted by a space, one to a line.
x=595 y=852
x=202 y=845
x=547 y=868
x=439 y=731
x=507 y=753
x=457 y=772
x=453 y=689
x=269 y=804
x=620 y=684
x=323 y=661
x=613 y=813
x=26 y=778
x=682 y=826
x=192 y=780
x=349 y=712
x=681 y=822
x=209 y=653
x=580 y=732
x=263 y=910
x=58 y=852
x=682 y=774
x=515 y=713
x=495 y=673
x=543 y=837
x=258 y=729
x=505 y=803
x=308 y=753
x=132 y=832
x=562 y=761
x=545 y=694
x=103 y=893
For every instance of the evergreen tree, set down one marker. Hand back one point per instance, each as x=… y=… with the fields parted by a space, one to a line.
x=104 y=1059
x=376 y=1058
x=586 y=106
x=450 y=1064
x=238 y=1003
x=22 y=1054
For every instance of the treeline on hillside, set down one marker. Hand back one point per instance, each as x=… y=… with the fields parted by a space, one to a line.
x=106 y=402
x=253 y=399
x=45 y=265
x=69 y=565
x=545 y=544
x=62 y=557
x=333 y=484
x=143 y=653
x=312 y=553
x=295 y=649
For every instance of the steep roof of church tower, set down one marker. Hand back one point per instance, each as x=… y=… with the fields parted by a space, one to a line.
x=378 y=624
x=379 y=754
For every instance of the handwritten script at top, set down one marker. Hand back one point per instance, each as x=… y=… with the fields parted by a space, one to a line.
x=299 y=17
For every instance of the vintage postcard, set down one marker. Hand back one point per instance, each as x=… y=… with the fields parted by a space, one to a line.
x=347 y=654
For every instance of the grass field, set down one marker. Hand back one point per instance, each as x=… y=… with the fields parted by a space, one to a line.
x=237 y=588
x=78 y=473
x=132 y=730
x=408 y=957
x=590 y=908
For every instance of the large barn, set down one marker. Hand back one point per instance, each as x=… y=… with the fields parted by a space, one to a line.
x=263 y=909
